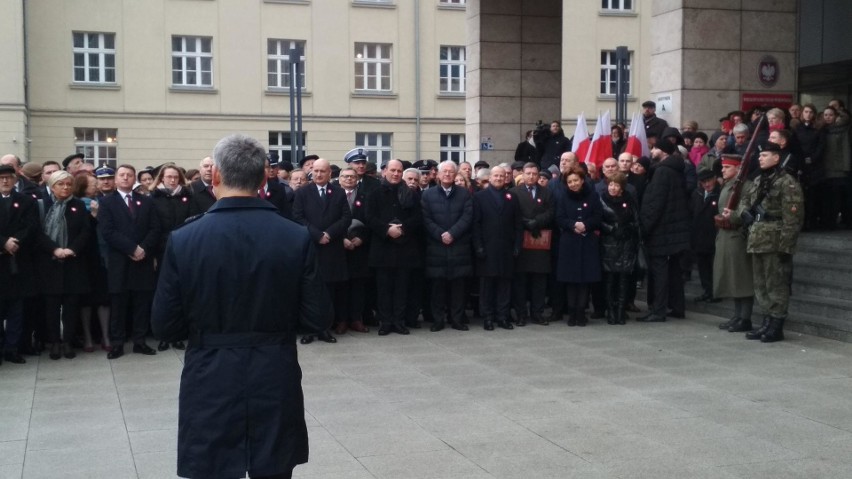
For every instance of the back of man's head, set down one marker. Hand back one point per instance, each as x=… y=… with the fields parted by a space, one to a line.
x=241 y=161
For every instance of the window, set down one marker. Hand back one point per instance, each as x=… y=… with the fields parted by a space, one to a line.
x=372 y=67
x=378 y=146
x=98 y=144
x=192 y=61
x=452 y=2
x=94 y=57
x=452 y=69
x=608 y=73
x=278 y=62
x=452 y=148
x=279 y=142
x=620 y=5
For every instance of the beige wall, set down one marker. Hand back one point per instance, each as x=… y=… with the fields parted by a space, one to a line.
x=154 y=122
x=12 y=106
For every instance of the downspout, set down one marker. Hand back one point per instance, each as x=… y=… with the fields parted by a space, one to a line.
x=27 y=141
x=417 y=79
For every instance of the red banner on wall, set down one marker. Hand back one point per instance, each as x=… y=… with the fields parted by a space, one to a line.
x=750 y=100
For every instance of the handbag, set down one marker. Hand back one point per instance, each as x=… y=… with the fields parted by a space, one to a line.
x=642 y=257
x=541 y=243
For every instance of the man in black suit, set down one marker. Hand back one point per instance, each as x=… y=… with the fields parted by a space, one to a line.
x=356 y=243
x=22 y=184
x=240 y=389
x=275 y=192
x=18 y=226
x=130 y=227
x=202 y=189
x=357 y=159
x=322 y=207
x=497 y=238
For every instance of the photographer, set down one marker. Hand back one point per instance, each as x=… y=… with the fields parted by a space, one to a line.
x=550 y=144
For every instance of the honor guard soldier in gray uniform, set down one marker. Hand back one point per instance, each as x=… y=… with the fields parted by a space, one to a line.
x=773 y=209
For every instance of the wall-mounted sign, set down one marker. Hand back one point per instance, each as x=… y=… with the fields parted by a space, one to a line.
x=750 y=100
x=486 y=144
x=767 y=71
x=665 y=105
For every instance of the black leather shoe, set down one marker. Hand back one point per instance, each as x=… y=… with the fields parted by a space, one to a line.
x=384 y=331
x=327 y=337
x=488 y=325
x=522 y=322
x=307 y=339
x=631 y=308
x=540 y=321
x=436 y=327
x=653 y=318
x=505 y=325
x=677 y=314
x=727 y=324
x=740 y=326
x=459 y=327
x=55 y=352
x=14 y=358
x=144 y=349
x=401 y=330
x=163 y=346
x=179 y=345
x=68 y=351
x=117 y=352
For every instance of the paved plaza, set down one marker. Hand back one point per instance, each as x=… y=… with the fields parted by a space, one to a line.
x=673 y=400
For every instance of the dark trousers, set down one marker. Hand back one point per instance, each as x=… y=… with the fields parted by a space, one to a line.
x=337 y=293
x=392 y=286
x=11 y=312
x=494 y=297
x=705 y=271
x=137 y=302
x=354 y=297
x=667 y=280
x=576 y=295
x=448 y=299
x=416 y=280
x=34 y=325
x=532 y=286
x=64 y=308
x=598 y=294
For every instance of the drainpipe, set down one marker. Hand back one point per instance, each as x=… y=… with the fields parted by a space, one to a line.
x=27 y=141
x=417 y=79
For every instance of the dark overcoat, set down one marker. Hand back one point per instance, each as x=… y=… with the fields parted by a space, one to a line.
x=172 y=210
x=619 y=233
x=330 y=215
x=228 y=286
x=497 y=232
x=537 y=214
x=358 y=259
x=453 y=214
x=122 y=233
x=664 y=213
x=579 y=259
x=18 y=219
x=70 y=275
x=202 y=198
x=732 y=268
x=278 y=194
x=703 y=211
x=394 y=204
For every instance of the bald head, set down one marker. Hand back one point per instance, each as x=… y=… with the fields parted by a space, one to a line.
x=567 y=161
x=321 y=171
x=11 y=160
x=625 y=161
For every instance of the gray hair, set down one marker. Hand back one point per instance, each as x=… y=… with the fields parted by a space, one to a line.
x=241 y=161
x=412 y=170
x=740 y=128
x=483 y=174
x=58 y=176
x=448 y=162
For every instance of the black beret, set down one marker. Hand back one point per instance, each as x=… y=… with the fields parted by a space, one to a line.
x=7 y=170
x=307 y=159
x=68 y=159
x=645 y=162
x=705 y=174
x=666 y=146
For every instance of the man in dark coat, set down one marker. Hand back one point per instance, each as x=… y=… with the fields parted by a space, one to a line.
x=276 y=193
x=551 y=144
x=497 y=238
x=322 y=207
x=526 y=152
x=241 y=407
x=665 y=224
x=18 y=226
x=356 y=243
x=654 y=125
x=533 y=264
x=202 y=189
x=704 y=206
x=448 y=218
x=130 y=228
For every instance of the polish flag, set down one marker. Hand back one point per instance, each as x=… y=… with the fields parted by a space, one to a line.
x=601 y=147
x=637 y=142
x=580 y=145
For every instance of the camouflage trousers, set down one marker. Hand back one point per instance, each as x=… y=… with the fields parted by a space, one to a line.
x=773 y=277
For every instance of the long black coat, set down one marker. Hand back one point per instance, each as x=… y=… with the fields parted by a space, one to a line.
x=358 y=259
x=278 y=194
x=703 y=212
x=202 y=199
x=664 y=213
x=526 y=153
x=18 y=219
x=453 y=214
x=619 y=233
x=551 y=148
x=579 y=258
x=240 y=299
x=172 y=210
x=394 y=204
x=497 y=232
x=537 y=214
x=331 y=216
x=70 y=275
x=122 y=234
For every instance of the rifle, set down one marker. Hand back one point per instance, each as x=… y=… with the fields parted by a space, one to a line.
x=736 y=189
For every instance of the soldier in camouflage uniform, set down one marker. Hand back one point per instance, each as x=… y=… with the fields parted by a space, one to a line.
x=773 y=207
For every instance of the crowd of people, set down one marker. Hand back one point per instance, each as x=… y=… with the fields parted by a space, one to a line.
x=400 y=243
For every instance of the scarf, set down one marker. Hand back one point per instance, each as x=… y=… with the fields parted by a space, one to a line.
x=54 y=223
x=168 y=191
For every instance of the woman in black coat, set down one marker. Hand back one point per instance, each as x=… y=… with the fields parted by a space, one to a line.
x=62 y=240
x=171 y=199
x=620 y=244
x=578 y=214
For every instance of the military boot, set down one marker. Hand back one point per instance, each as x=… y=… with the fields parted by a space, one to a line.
x=740 y=325
x=774 y=332
x=757 y=333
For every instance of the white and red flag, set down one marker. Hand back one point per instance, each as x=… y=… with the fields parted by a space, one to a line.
x=601 y=147
x=581 y=142
x=637 y=142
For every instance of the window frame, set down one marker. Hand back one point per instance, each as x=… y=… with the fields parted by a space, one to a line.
x=609 y=69
x=607 y=6
x=374 y=142
x=445 y=81
x=199 y=55
x=283 y=149
x=448 y=151
x=100 y=138
x=362 y=66
x=281 y=59
x=101 y=52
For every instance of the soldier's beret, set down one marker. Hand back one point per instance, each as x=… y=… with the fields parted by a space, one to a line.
x=68 y=159
x=355 y=154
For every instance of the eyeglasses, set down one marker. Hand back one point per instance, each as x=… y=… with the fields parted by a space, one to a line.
x=343 y=177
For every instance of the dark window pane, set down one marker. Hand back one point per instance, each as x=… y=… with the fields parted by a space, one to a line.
x=177 y=63
x=109 y=41
x=190 y=77
x=94 y=60
x=177 y=77
x=206 y=79
x=190 y=63
x=206 y=64
x=79 y=74
x=78 y=40
x=109 y=61
x=110 y=75
x=176 y=44
x=205 y=45
x=79 y=59
x=94 y=74
x=94 y=41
